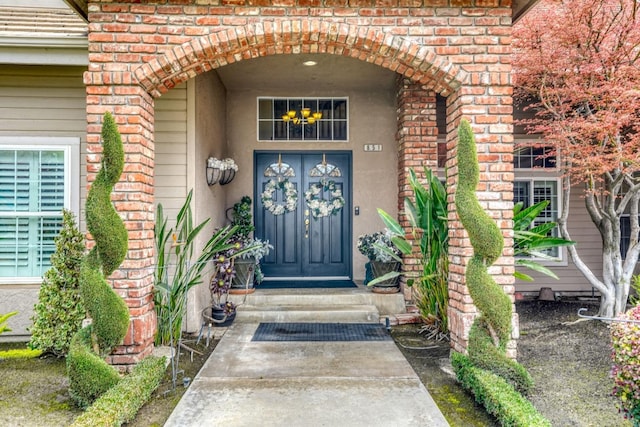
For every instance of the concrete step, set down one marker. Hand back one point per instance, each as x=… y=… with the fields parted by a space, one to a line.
x=310 y=298
x=350 y=313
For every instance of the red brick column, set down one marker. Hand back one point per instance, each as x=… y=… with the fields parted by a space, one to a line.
x=489 y=109
x=417 y=148
x=132 y=109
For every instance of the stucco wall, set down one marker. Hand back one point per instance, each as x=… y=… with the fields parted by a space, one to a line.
x=207 y=97
x=372 y=120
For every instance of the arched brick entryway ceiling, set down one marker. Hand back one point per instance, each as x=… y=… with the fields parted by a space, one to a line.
x=201 y=54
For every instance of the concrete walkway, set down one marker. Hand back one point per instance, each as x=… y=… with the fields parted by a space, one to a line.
x=307 y=384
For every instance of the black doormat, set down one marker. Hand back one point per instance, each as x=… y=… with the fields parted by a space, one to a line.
x=321 y=332
x=293 y=284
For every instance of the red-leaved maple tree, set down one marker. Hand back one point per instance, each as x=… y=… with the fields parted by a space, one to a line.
x=577 y=65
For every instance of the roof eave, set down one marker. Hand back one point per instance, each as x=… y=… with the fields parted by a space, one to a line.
x=520 y=8
x=43 y=40
x=19 y=50
x=80 y=7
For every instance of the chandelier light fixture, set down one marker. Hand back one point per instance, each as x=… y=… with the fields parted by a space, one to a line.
x=307 y=117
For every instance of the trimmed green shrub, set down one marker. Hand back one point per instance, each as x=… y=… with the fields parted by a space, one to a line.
x=498 y=396
x=109 y=313
x=625 y=338
x=23 y=353
x=490 y=299
x=486 y=355
x=121 y=403
x=484 y=234
x=59 y=310
x=103 y=221
x=89 y=374
x=492 y=329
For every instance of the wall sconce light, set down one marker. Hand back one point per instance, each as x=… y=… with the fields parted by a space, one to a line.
x=307 y=117
x=220 y=171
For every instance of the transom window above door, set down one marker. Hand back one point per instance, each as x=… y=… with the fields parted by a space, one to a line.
x=303 y=119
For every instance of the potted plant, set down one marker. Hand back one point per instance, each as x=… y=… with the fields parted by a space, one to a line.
x=241 y=218
x=247 y=265
x=223 y=311
x=383 y=258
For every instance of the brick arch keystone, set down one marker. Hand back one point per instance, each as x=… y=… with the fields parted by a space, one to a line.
x=402 y=55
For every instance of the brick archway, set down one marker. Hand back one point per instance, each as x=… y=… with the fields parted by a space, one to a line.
x=399 y=54
x=140 y=51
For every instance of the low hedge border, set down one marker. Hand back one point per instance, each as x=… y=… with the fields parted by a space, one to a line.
x=20 y=354
x=121 y=403
x=498 y=397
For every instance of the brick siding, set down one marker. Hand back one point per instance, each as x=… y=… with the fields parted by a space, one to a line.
x=456 y=48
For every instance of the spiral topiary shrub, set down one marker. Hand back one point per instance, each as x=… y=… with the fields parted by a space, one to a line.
x=495 y=380
x=491 y=331
x=89 y=375
x=59 y=310
x=625 y=338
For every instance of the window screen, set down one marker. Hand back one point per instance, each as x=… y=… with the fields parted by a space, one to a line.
x=32 y=196
x=533 y=191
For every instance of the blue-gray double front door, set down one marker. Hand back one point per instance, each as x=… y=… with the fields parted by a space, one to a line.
x=311 y=235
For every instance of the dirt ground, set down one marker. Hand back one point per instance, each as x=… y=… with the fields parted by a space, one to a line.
x=570 y=364
x=166 y=397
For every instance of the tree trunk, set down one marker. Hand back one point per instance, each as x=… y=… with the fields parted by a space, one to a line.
x=605 y=287
x=616 y=272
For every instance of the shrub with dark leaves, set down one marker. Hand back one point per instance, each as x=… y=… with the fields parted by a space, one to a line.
x=625 y=338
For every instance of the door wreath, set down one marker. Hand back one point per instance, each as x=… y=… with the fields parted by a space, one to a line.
x=324 y=207
x=290 y=197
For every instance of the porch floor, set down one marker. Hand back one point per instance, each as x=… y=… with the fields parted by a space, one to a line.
x=304 y=383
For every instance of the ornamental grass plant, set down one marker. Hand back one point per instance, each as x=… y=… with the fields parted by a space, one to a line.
x=178 y=269
x=427 y=215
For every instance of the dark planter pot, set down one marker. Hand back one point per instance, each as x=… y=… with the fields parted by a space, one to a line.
x=245 y=272
x=219 y=317
x=379 y=269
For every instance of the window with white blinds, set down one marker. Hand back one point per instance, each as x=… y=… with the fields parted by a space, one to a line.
x=532 y=191
x=34 y=188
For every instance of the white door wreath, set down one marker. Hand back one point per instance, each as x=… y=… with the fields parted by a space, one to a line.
x=324 y=207
x=290 y=197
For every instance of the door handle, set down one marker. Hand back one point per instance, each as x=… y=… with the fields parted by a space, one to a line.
x=306 y=223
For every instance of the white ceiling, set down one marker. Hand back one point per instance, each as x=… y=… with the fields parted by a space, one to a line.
x=285 y=71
